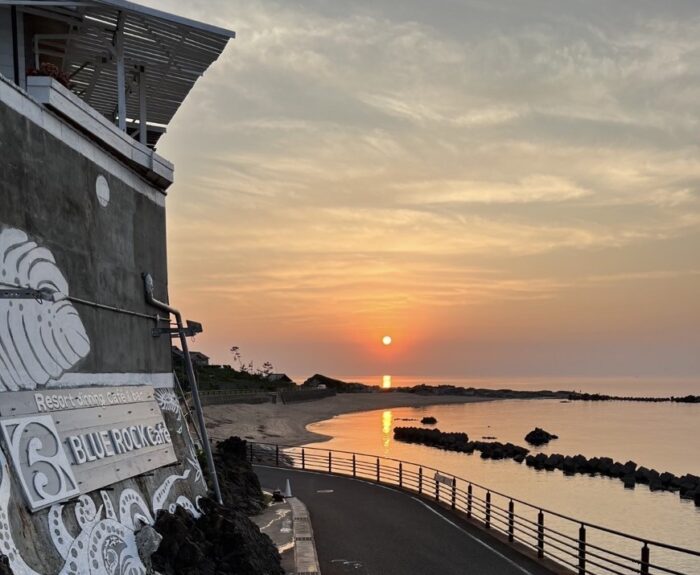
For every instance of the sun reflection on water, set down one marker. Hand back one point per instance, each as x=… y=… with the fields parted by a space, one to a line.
x=387 y=419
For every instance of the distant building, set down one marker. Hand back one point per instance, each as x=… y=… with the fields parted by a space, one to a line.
x=280 y=379
x=198 y=358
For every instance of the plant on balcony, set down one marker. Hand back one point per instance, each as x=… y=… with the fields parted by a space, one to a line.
x=52 y=71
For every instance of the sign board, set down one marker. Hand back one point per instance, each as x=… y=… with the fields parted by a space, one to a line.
x=68 y=442
x=444 y=479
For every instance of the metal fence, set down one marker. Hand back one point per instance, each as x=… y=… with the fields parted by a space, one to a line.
x=579 y=546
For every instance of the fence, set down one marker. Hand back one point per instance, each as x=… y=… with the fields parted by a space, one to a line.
x=579 y=546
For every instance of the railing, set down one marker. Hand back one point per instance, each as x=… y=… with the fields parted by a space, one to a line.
x=579 y=546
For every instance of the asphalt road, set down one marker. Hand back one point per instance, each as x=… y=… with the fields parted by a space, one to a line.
x=367 y=529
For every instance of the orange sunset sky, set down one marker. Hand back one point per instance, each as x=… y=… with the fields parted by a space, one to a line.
x=508 y=189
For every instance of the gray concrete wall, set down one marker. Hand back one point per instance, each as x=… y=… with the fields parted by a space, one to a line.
x=48 y=191
x=58 y=232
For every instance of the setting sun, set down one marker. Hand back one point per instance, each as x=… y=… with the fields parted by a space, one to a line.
x=386 y=340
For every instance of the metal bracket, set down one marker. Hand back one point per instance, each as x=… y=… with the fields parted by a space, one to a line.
x=26 y=293
x=192 y=329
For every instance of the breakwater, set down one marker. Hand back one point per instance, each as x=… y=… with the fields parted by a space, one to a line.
x=630 y=473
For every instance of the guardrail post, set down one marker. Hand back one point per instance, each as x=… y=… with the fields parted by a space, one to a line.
x=378 y=480
x=303 y=459
x=487 y=518
x=251 y=452
x=437 y=489
x=277 y=455
x=420 y=480
x=453 y=503
x=330 y=462
x=469 y=501
x=540 y=534
x=582 y=550
x=354 y=473
x=644 y=567
x=400 y=474
x=511 y=521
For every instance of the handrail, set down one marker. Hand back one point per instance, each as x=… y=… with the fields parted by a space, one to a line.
x=532 y=506
x=499 y=518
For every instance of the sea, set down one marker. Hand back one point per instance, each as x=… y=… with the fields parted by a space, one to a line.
x=663 y=436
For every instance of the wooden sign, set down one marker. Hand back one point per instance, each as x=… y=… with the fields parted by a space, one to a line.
x=68 y=442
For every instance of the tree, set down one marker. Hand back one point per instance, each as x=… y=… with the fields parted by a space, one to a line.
x=266 y=369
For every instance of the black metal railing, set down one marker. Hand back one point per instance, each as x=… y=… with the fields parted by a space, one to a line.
x=581 y=547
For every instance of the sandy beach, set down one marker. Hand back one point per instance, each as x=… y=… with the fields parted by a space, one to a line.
x=286 y=424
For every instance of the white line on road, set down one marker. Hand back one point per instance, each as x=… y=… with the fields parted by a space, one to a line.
x=479 y=541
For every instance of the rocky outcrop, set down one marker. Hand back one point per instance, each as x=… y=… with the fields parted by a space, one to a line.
x=688 y=486
x=222 y=540
x=240 y=487
x=451 y=441
x=539 y=436
x=429 y=420
x=629 y=473
x=603 y=397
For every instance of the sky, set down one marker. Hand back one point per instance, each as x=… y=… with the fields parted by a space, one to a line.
x=508 y=189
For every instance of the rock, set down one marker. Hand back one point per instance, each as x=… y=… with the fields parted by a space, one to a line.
x=5 y=566
x=222 y=540
x=642 y=475
x=629 y=481
x=240 y=487
x=697 y=498
x=666 y=479
x=429 y=420
x=147 y=542
x=539 y=436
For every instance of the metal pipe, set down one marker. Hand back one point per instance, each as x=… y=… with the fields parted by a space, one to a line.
x=148 y=285
x=15 y=45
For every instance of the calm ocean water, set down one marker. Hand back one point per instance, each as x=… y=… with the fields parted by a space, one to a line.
x=663 y=436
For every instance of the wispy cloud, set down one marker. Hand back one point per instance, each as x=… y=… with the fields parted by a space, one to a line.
x=357 y=164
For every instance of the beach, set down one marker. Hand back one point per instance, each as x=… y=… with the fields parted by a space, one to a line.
x=285 y=424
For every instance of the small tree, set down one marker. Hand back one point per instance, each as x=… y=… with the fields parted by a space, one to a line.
x=266 y=369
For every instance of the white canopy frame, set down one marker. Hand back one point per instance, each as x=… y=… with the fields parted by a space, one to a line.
x=133 y=64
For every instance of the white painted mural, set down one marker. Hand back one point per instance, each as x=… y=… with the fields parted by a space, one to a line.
x=39 y=340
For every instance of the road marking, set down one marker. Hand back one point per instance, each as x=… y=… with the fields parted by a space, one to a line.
x=479 y=541
x=324 y=491
x=398 y=490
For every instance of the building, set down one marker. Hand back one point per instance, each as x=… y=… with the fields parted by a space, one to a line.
x=87 y=89
x=198 y=358
x=281 y=379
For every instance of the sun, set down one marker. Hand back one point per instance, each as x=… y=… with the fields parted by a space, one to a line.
x=386 y=340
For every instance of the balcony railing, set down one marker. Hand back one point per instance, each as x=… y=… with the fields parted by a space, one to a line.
x=578 y=546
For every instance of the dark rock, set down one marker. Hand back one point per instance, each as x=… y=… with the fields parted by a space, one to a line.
x=429 y=420
x=5 y=566
x=222 y=540
x=666 y=479
x=629 y=481
x=642 y=475
x=240 y=487
x=697 y=498
x=539 y=436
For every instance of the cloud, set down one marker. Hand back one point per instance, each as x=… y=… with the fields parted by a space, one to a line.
x=395 y=159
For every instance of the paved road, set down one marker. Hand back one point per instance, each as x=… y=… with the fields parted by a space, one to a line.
x=366 y=529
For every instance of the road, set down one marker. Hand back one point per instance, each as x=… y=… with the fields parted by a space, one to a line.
x=368 y=529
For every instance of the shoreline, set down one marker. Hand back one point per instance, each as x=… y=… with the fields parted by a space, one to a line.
x=286 y=424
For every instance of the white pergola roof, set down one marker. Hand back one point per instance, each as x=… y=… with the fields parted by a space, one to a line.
x=167 y=51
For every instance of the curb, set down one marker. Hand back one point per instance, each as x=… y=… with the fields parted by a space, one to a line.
x=305 y=557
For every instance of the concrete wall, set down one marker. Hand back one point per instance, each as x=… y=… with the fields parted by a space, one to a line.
x=60 y=230
x=48 y=191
